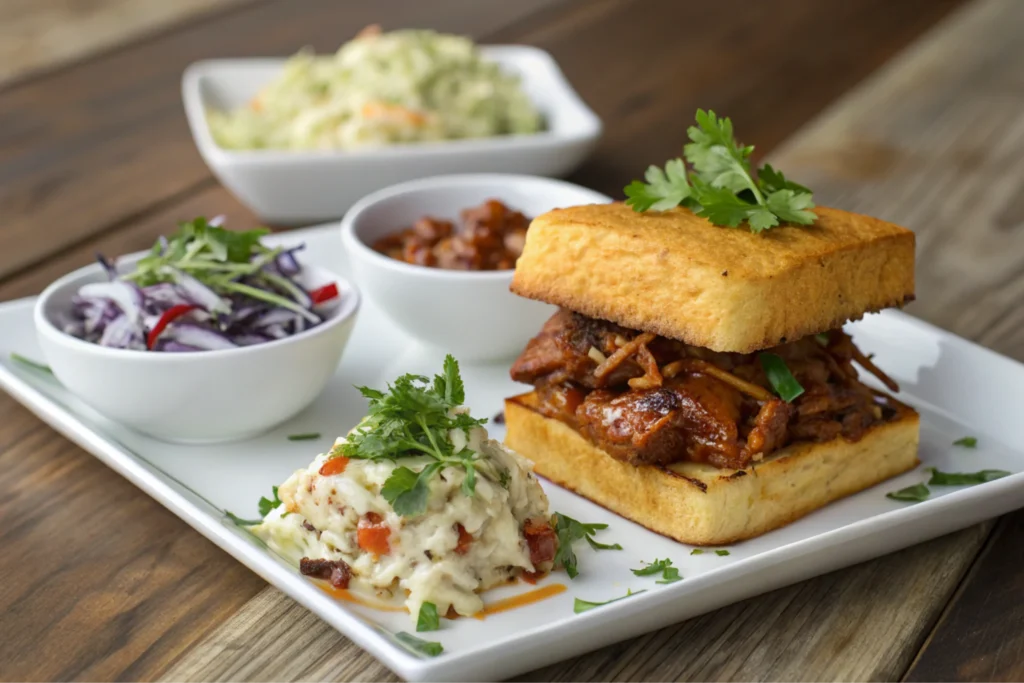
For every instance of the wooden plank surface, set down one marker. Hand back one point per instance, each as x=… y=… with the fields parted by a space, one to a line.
x=865 y=623
x=851 y=624
x=44 y=34
x=980 y=636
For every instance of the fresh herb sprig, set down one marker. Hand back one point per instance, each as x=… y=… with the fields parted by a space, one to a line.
x=414 y=417
x=580 y=606
x=967 y=442
x=963 y=478
x=428 y=619
x=568 y=531
x=669 y=574
x=418 y=645
x=722 y=185
x=265 y=506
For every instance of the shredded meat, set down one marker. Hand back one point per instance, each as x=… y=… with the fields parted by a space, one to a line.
x=650 y=400
x=335 y=571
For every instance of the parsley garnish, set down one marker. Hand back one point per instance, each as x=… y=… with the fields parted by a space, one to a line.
x=568 y=531
x=721 y=552
x=308 y=436
x=966 y=442
x=669 y=574
x=911 y=494
x=580 y=606
x=963 y=478
x=265 y=506
x=423 y=647
x=697 y=551
x=29 y=363
x=428 y=619
x=414 y=417
x=721 y=185
x=779 y=376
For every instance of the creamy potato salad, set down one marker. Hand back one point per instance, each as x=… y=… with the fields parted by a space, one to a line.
x=416 y=503
x=381 y=89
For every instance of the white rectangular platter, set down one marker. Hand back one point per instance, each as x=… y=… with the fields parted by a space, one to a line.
x=960 y=389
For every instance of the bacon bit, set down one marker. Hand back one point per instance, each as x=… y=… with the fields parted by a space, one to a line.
x=541 y=539
x=373 y=535
x=451 y=613
x=465 y=538
x=652 y=376
x=335 y=465
x=702 y=366
x=335 y=571
x=621 y=354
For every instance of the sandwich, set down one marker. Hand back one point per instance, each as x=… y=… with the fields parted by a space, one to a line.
x=697 y=379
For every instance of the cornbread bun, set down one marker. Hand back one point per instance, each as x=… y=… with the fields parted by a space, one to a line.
x=703 y=505
x=677 y=275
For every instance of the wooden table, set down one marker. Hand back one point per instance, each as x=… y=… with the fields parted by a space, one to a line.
x=100 y=582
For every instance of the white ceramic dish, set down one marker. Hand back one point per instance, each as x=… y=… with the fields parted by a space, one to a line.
x=291 y=186
x=472 y=315
x=959 y=388
x=207 y=396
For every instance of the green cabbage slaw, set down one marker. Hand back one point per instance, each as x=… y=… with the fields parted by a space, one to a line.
x=381 y=89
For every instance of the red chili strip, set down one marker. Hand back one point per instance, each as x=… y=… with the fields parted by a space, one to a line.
x=325 y=293
x=169 y=315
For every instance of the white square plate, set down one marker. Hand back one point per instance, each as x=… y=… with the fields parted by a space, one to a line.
x=284 y=186
x=959 y=388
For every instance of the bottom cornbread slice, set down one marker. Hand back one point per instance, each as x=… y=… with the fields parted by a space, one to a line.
x=704 y=505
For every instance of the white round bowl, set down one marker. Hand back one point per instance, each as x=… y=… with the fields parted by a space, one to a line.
x=470 y=314
x=201 y=396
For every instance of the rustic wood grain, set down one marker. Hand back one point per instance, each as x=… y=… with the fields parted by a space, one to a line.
x=43 y=34
x=866 y=622
x=981 y=634
x=91 y=149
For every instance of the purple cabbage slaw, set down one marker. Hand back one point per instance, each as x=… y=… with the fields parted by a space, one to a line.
x=121 y=313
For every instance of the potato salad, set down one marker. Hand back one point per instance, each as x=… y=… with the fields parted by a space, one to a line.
x=416 y=503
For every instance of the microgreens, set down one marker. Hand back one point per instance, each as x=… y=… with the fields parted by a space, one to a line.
x=226 y=261
x=414 y=417
x=721 y=185
x=568 y=531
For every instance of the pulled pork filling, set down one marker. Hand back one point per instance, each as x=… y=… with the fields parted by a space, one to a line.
x=646 y=399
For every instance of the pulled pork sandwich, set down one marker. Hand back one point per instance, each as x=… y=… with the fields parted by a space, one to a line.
x=696 y=379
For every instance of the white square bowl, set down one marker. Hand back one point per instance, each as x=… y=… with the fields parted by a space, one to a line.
x=284 y=186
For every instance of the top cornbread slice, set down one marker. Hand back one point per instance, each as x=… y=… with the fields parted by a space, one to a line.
x=677 y=275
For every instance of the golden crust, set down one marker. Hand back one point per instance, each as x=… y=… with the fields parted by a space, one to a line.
x=702 y=505
x=674 y=274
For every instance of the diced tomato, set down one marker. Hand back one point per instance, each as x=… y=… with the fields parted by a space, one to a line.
x=325 y=293
x=335 y=465
x=465 y=538
x=373 y=534
x=541 y=539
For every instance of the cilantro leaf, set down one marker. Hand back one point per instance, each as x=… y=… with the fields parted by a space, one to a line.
x=697 y=551
x=418 y=645
x=266 y=504
x=656 y=567
x=408 y=491
x=670 y=575
x=568 y=531
x=427 y=620
x=663 y=190
x=911 y=494
x=581 y=606
x=242 y=522
x=967 y=442
x=722 y=187
x=963 y=478
x=721 y=552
